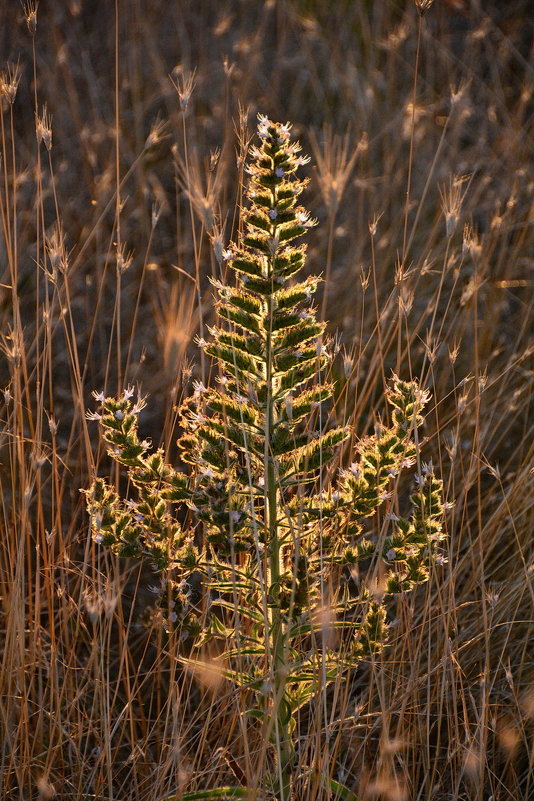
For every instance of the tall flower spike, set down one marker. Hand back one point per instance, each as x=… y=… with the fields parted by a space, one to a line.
x=267 y=345
x=262 y=544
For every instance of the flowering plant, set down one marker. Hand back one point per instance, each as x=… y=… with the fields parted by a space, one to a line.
x=258 y=517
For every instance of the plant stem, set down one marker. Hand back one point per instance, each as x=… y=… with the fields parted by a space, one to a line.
x=277 y=634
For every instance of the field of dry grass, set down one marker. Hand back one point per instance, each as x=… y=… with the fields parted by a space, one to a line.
x=124 y=128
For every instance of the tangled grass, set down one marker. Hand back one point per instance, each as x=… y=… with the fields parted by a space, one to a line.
x=124 y=133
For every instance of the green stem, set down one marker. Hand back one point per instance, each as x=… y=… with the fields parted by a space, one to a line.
x=277 y=633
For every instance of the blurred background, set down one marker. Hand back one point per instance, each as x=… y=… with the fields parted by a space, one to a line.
x=123 y=133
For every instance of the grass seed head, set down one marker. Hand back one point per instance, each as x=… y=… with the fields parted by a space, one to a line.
x=30 y=13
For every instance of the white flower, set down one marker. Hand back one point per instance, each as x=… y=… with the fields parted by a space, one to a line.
x=283 y=133
x=263 y=126
x=235 y=516
x=391 y=555
x=273 y=214
x=173 y=617
x=99 y=396
x=261 y=481
x=199 y=387
x=227 y=254
x=98 y=537
x=392 y=517
x=422 y=396
x=304 y=220
x=93 y=416
x=119 y=414
x=128 y=393
x=138 y=406
x=336 y=496
x=279 y=172
x=441 y=560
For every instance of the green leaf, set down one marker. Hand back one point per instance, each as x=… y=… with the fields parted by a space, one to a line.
x=218 y=629
x=218 y=793
x=250 y=345
x=258 y=220
x=260 y=242
x=291 y=231
x=341 y=791
x=244 y=651
x=305 y=402
x=244 y=301
x=240 y=437
x=319 y=451
x=261 y=286
x=288 y=362
x=248 y=264
x=295 y=378
x=235 y=359
x=239 y=317
x=246 y=612
x=258 y=714
x=281 y=321
x=289 y=297
x=307 y=628
x=298 y=335
x=239 y=412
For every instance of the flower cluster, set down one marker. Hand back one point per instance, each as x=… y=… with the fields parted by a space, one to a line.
x=253 y=527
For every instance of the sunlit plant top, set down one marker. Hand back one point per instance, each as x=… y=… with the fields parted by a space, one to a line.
x=252 y=515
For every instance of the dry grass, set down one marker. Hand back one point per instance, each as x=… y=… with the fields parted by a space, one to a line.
x=423 y=185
